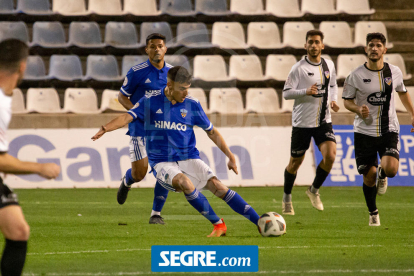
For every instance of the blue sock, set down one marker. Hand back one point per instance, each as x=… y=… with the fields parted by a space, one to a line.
x=160 y=196
x=237 y=203
x=128 y=178
x=201 y=204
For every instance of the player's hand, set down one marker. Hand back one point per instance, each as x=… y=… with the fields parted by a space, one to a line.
x=232 y=164
x=99 y=133
x=313 y=90
x=49 y=170
x=363 y=111
x=334 y=106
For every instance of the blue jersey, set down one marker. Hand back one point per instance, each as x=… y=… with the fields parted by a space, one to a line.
x=140 y=80
x=169 y=128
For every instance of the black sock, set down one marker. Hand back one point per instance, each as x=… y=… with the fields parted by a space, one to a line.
x=370 y=194
x=14 y=256
x=320 y=177
x=381 y=173
x=289 y=181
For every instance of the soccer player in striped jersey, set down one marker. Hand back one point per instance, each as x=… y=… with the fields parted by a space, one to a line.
x=312 y=85
x=369 y=92
x=169 y=118
x=143 y=79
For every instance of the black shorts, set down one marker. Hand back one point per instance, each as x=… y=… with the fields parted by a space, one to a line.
x=301 y=138
x=367 y=147
x=7 y=196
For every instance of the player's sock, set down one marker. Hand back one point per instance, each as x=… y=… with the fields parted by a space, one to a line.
x=287 y=197
x=289 y=181
x=381 y=173
x=201 y=204
x=237 y=203
x=160 y=196
x=155 y=213
x=320 y=177
x=370 y=194
x=129 y=180
x=14 y=256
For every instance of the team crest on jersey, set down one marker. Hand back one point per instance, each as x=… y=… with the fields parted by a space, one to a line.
x=125 y=81
x=388 y=80
x=327 y=74
x=183 y=112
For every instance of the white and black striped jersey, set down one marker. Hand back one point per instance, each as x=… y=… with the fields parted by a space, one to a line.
x=311 y=111
x=375 y=88
x=5 y=117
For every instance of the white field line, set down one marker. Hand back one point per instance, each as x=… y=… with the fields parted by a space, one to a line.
x=90 y=251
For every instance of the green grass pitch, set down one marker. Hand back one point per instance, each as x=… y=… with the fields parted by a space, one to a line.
x=77 y=232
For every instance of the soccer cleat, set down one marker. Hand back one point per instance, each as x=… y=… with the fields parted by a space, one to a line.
x=382 y=184
x=156 y=219
x=122 y=192
x=374 y=220
x=219 y=230
x=315 y=199
x=287 y=208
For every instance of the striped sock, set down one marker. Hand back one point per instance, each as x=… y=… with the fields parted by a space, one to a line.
x=201 y=204
x=237 y=203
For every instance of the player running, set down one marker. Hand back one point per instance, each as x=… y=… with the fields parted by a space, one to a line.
x=170 y=116
x=369 y=92
x=142 y=79
x=312 y=84
x=12 y=223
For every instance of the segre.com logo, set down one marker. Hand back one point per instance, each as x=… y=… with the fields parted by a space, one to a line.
x=204 y=258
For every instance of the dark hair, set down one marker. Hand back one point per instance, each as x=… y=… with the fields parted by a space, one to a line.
x=179 y=74
x=314 y=32
x=379 y=36
x=13 y=51
x=154 y=36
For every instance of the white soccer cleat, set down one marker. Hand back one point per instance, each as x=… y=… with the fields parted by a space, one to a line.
x=315 y=200
x=287 y=208
x=382 y=184
x=374 y=220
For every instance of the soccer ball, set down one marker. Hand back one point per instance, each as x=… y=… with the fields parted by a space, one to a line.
x=271 y=225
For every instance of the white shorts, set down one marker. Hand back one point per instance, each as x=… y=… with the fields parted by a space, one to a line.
x=137 y=150
x=195 y=169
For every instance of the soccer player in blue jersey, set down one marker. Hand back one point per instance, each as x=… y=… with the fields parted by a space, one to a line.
x=145 y=78
x=169 y=117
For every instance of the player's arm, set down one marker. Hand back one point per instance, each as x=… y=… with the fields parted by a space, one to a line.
x=115 y=124
x=291 y=91
x=125 y=101
x=408 y=104
x=128 y=88
x=333 y=85
x=217 y=139
x=362 y=111
x=10 y=164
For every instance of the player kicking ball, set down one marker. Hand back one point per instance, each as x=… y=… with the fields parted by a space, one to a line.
x=169 y=117
x=369 y=92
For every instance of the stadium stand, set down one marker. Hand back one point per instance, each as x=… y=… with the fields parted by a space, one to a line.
x=210 y=68
x=262 y=100
x=35 y=69
x=340 y=103
x=110 y=101
x=398 y=60
x=18 y=102
x=278 y=66
x=193 y=35
x=34 y=7
x=263 y=35
x=347 y=63
x=163 y=28
x=70 y=8
x=247 y=7
x=331 y=29
x=102 y=68
x=354 y=7
x=48 y=35
x=16 y=30
x=200 y=95
x=319 y=7
x=129 y=61
x=105 y=7
x=246 y=69
x=177 y=7
x=85 y=35
x=141 y=7
x=81 y=101
x=6 y=7
x=65 y=68
x=229 y=35
x=121 y=35
x=43 y=100
x=226 y=101
x=294 y=33
x=212 y=7
x=362 y=28
x=178 y=60
x=284 y=8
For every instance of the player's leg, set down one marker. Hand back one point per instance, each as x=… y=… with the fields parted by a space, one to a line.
x=135 y=174
x=160 y=196
x=389 y=154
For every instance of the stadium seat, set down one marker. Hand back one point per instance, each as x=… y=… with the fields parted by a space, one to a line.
x=105 y=7
x=294 y=33
x=43 y=100
x=398 y=60
x=177 y=7
x=35 y=69
x=362 y=28
x=319 y=7
x=340 y=102
x=200 y=95
x=331 y=29
x=110 y=101
x=70 y=8
x=85 y=35
x=81 y=101
x=6 y=7
x=246 y=68
x=229 y=35
x=354 y=7
x=410 y=90
x=193 y=35
x=16 y=30
x=226 y=101
x=48 y=35
x=65 y=67
x=278 y=66
x=18 y=102
x=178 y=60
x=130 y=61
x=102 y=68
x=34 y=7
x=287 y=105
x=263 y=35
x=262 y=100
x=247 y=7
x=122 y=35
x=163 y=28
x=345 y=64
x=212 y=7
x=141 y=7
x=284 y=8
x=210 y=68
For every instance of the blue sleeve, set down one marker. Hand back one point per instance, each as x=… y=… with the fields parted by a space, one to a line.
x=201 y=119
x=130 y=84
x=137 y=112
